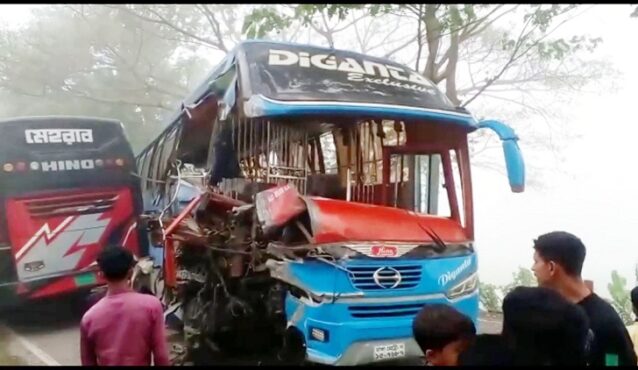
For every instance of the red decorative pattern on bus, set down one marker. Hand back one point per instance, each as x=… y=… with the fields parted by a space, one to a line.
x=62 y=233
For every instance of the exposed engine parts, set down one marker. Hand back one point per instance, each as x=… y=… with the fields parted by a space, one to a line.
x=230 y=300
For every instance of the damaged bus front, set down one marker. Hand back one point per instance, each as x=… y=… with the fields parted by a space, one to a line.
x=313 y=200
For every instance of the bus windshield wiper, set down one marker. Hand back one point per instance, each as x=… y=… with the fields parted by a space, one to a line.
x=441 y=246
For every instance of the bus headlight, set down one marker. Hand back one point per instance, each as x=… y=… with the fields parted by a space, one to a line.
x=465 y=287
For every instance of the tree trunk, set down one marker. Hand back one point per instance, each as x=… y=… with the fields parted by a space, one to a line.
x=433 y=37
x=450 y=69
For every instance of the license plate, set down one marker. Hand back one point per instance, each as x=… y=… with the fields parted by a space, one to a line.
x=389 y=351
x=85 y=279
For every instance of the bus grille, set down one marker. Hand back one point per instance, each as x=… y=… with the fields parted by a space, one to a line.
x=72 y=204
x=362 y=277
x=394 y=310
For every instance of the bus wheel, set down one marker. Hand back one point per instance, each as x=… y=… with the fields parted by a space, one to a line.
x=293 y=351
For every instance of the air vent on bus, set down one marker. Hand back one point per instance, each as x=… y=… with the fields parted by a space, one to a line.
x=386 y=311
x=71 y=204
x=388 y=277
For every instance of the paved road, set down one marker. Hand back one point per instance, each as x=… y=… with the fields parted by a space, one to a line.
x=49 y=331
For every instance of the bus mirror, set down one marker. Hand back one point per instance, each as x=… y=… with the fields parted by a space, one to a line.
x=513 y=156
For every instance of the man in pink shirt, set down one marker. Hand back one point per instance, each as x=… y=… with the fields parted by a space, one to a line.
x=124 y=327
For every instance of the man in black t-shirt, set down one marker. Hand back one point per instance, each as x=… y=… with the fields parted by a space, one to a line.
x=558 y=262
x=540 y=327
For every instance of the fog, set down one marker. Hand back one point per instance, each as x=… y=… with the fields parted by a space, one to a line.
x=588 y=189
x=591 y=192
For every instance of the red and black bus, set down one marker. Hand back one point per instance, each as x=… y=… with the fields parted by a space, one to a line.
x=67 y=189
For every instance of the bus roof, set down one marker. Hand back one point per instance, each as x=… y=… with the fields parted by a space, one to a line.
x=278 y=79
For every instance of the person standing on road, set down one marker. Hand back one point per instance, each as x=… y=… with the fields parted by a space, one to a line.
x=124 y=327
x=540 y=327
x=558 y=263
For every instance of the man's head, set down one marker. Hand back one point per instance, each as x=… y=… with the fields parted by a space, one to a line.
x=558 y=256
x=634 y=300
x=543 y=328
x=116 y=263
x=442 y=333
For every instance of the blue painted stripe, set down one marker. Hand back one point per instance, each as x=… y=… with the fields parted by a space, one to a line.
x=264 y=107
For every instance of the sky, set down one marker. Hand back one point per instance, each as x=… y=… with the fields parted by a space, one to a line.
x=589 y=190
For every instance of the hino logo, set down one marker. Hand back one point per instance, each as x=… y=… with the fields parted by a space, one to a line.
x=66 y=165
x=387 y=277
x=66 y=136
x=452 y=275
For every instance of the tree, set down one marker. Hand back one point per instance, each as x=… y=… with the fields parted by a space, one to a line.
x=135 y=62
x=502 y=60
x=99 y=61
x=445 y=37
x=489 y=297
x=522 y=277
x=620 y=296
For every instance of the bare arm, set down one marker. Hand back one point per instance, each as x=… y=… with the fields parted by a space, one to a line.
x=160 y=348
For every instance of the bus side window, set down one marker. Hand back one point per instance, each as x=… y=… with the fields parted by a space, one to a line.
x=166 y=155
x=141 y=162
x=156 y=163
x=145 y=170
x=152 y=166
x=329 y=153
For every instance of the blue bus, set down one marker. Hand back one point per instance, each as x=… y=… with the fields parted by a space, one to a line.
x=333 y=197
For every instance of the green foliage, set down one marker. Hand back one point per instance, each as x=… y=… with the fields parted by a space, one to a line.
x=135 y=62
x=489 y=298
x=262 y=20
x=619 y=293
x=522 y=277
x=95 y=60
x=543 y=15
x=491 y=295
x=443 y=24
x=307 y=11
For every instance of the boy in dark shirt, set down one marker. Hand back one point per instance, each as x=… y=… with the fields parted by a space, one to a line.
x=543 y=328
x=540 y=328
x=558 y=263
x=443 y=333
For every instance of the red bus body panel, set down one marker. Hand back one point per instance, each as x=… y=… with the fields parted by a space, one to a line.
x=56 y=237
x=340 y=221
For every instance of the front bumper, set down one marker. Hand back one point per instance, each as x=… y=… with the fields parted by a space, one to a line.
x=360 y=353
x=351 y=340
x=17 y=293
